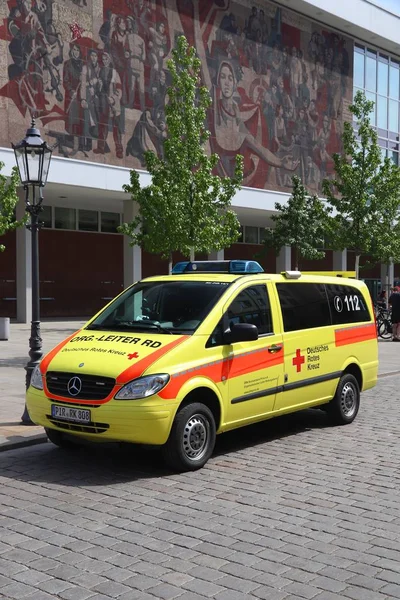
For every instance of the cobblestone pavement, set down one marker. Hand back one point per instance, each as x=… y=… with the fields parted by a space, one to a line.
x=287 y=509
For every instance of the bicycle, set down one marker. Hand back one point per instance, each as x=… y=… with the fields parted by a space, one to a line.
x=383 y=322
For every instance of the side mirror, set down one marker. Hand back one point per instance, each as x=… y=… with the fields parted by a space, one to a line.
x=242 y=332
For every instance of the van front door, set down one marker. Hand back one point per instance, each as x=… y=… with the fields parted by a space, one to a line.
x=254 y=370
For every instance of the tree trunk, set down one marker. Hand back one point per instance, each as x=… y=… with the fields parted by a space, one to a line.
x=296 y=259
x=191 y=255
x=170 y=264
x=357 y=266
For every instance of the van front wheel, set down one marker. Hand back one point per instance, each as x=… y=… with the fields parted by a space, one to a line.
x=343 y=408
x=192 y=438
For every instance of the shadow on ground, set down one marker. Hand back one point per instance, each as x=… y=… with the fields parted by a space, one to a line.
x=107 y=464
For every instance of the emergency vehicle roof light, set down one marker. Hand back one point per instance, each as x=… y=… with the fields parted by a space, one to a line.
x=237 y=267
x=292 y=274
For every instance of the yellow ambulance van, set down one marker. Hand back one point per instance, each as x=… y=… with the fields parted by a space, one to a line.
x=175 y=360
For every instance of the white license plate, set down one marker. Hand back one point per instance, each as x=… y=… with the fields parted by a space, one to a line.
x=68 y=413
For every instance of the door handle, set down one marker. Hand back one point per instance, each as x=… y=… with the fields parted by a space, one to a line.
x=274 y=348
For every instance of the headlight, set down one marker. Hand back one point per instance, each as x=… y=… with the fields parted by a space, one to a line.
x=36 y=378
x=143 y=387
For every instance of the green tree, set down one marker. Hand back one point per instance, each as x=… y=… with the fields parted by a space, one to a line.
x=386 y=243
x=353 y=192
x=8 y=202
x=301 y=223
x=186 y=206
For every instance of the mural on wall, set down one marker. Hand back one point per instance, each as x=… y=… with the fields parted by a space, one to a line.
x=97 y=83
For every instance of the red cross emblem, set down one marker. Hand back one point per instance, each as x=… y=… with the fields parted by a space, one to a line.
x=134 y=355
x=298 y=360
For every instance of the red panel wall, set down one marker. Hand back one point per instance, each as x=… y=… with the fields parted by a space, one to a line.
x=8 y=286
x=79 y=272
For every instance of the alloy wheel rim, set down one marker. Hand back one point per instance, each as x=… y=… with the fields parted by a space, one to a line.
x=195 y=437
x=348 y=400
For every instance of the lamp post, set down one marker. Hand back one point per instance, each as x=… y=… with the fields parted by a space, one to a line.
x=33 y=157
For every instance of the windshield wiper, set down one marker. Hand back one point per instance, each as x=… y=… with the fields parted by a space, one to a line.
x=132 y=325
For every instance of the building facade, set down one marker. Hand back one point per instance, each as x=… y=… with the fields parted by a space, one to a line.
x=94 y=75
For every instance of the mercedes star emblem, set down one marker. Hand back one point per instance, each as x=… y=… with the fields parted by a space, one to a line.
x=74 y=386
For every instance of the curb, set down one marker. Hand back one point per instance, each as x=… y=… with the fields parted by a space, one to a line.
x=22 y=442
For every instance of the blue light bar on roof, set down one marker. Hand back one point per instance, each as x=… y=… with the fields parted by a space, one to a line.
x=237 y=267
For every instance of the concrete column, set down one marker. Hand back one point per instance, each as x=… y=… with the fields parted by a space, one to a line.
x=217 y=255
x=340 y=260
x=387 y=277
x=24 y=266
x=284 y=259
x=132 y=254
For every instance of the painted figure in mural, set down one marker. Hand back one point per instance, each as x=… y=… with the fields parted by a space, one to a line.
x=121 y=57
x=91 y=88
x=72 y=81
x=149 y=134
x=109 y=107
x=137 y=53
x=158 y=50
x=237 y=126
x=36 y=51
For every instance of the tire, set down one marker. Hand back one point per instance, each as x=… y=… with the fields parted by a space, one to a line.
x=57 y=438
x=343 y=408
x=192 y=438
x=385 y=329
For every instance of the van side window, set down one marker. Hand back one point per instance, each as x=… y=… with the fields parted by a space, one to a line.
x=347 y=304
x=304 y=305
x=250 y=306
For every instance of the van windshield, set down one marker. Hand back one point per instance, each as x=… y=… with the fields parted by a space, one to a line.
x=163 y=306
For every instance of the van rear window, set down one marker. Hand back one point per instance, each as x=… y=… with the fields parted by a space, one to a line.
x=347 y=304
x=310 y=305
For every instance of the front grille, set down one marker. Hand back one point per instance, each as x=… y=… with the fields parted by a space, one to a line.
x=93 y=387
x=87 y=428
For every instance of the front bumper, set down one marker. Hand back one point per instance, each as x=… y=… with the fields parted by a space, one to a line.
x=135 y=421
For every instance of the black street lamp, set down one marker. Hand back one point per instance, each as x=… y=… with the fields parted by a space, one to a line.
x=33 y=157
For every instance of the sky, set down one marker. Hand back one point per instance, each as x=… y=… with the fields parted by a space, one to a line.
x=393 y=5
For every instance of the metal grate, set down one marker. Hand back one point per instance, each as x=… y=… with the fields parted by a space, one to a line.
x=91 y=387
x=88 y=428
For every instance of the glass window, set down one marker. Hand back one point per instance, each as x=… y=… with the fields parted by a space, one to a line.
x=393 y=152
x=109 y=222
x=383 y=76
x=65 y=218
x=370 y=73
x=160 y=306
x=347 y=304
x=359 y=70
x=45 y=216
x=394 y=116
x=88 y=220
x=394 y=80
x=250 y=235
x=304 y=305
x=252 y=306
x=382 y=112
x=240 y=238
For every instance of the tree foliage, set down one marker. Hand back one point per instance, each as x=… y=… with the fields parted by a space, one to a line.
x=363 y=193
x=385 y=246
x=186 y=206
x=8 y=202
x=301 y=223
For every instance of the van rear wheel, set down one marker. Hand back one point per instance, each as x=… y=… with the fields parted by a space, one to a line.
x=343 y=408
x=192 y=438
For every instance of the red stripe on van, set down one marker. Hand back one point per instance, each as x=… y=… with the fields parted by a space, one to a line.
x=140 y=367
x=221 y=370
x=353 y=335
